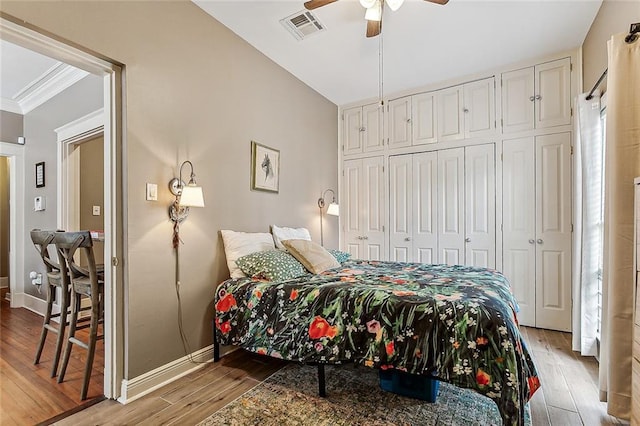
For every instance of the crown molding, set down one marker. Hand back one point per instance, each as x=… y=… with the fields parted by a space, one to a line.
x=53 y=81
x=10 y=105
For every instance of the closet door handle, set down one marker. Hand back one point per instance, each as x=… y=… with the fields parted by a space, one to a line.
x=467 y=240
x=365 y=238
x=466 y=110
x=408 y=120
x=407 y=239
x=540 y=241
x=538 y=97
x=532 y=241
x=532 y=98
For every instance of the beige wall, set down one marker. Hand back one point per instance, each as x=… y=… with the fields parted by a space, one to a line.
x=10 y=127
x=196 y=91
x=92 y=189
x=4 y=217
x=614 y=16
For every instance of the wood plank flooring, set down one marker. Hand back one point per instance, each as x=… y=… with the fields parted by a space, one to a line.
x=569 y=395
x=28 y=395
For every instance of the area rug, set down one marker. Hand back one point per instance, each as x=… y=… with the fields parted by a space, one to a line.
x=290 y=397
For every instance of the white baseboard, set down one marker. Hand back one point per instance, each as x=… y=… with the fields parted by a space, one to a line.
x=4 y=282
x=137 y=387
x=32 y=303
x=39 y=306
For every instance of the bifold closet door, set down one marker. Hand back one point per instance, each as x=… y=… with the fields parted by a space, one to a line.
x=553 y=231
x=400 y=208
x=451 y=206
x=537 y=228
x=424 y=206
x=480 y=206
x=364 y=200
x=519 y=222
x=352 y=226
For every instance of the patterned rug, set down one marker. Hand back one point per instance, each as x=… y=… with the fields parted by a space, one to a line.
x=290 y=397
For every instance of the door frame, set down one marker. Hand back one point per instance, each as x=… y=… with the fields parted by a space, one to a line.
x=69 y=137
x=23 y=34
x=15 y=153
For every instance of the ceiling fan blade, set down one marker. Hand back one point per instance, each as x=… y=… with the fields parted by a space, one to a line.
x=314 y=4
x=374 y=28
x=438 y=1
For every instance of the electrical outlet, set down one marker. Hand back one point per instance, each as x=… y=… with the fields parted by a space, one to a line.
x=96 y=210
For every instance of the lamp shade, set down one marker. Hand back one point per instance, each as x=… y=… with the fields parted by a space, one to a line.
x=333 y=209
x=394 y=4
x=374 y=13
x=192 y=196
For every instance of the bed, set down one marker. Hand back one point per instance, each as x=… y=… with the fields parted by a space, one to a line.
x=456 y=323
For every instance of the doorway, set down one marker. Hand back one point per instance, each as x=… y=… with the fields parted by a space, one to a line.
x=5 y=225
x=111 y=209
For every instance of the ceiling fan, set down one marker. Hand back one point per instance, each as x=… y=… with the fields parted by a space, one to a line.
x=373 y=14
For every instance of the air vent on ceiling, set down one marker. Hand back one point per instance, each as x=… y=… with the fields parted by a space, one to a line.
x=302 y=24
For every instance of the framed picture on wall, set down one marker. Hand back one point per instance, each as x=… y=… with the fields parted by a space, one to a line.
x=265 y=168
x=40 y=175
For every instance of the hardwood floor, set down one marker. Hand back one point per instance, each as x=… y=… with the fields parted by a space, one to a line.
x=28 y=395
x=568 y=396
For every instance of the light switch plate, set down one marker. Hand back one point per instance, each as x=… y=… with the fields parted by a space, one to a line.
x=96 y=210
x=152 y=192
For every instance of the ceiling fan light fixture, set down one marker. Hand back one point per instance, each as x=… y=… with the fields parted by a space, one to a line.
x=394 y=4
x=374 y=13
x=367 y=3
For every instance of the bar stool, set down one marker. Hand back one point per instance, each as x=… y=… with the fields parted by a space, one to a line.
x=41 y=240
x=85 y=282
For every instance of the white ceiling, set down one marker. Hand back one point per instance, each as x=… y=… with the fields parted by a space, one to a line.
x=423 y=43
x=28 y=79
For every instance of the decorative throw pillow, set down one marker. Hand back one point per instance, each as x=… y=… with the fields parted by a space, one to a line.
x=340 y=256
x=312 y=255
x=238 y=244
x=283 y=233
x=272 y=265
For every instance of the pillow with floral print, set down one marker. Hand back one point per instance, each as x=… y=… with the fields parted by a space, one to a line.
x=271 y=265
x=340 y=256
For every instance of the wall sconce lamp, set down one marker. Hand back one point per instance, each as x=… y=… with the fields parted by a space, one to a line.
x=187 y=195
x=333 y=209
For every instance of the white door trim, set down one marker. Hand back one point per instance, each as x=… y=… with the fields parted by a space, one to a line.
x=15 y=153
x=25 y=35
x=68 y=174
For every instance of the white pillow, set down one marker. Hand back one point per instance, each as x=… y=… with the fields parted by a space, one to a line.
x=238 y=244
x=284 y=233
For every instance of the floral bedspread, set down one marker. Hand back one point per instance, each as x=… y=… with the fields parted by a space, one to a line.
x=455 y=322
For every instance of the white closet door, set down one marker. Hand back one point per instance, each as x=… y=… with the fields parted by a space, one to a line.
x=553 y=90
x=372 y=124
x=423 y=120
x=479 y=108
x=518 y=99
x=519 y=247
x=399 y=122
x=450 y=115
x=353 y=130
x=400 y=208
x=372 y=208
x=480 y=206
x=352 y=199
x=553 y=226
x=425 y=202
x=451 y=206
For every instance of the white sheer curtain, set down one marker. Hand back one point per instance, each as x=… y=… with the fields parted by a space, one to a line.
x=622 y=165
x=587 y=241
